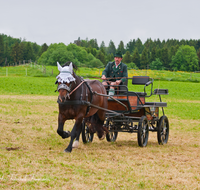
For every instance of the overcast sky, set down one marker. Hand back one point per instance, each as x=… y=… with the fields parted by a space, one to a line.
x=54 y=21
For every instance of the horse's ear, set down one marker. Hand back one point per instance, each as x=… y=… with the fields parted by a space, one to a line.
x=59 y=67
x=71 y=68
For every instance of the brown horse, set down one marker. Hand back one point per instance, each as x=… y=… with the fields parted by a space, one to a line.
x=75 y=99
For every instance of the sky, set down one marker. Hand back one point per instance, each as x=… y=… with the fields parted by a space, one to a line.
x=55 y=21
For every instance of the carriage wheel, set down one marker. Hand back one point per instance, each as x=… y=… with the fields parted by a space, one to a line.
x=143 y=131
x=163 y=130
x=111 y=136
x=86 y=135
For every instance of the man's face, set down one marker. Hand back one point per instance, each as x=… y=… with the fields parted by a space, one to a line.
x=118 y=60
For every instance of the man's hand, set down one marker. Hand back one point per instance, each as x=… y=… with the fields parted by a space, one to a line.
x=103 y=77
x=118 y=82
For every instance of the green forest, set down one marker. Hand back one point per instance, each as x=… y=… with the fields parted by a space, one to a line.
x=171 y=54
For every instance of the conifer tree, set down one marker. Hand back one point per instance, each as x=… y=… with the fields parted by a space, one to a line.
x=15 y=52
x=29 y=52
x=130 y=46
x=1 y=51
x=111 y=48
x=109 y=57
x=136 y=58
x=165 y=58
x=127 y=57
x=139 y=45
x=101 y=56
x=121 y=47
x=153 y=55
x=144 y=59
x=43 y=48
x=198 y=54
x=103 y=46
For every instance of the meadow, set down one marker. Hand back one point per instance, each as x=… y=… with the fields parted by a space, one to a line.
x=32 y=154
x=51 y=71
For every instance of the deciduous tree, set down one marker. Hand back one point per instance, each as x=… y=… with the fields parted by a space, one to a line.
x=156 y=65
x=186 y=59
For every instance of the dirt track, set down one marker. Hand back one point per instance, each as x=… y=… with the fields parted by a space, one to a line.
x=31 y=147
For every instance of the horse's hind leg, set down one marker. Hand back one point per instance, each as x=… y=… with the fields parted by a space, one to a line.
x=74 y=134
x=98 y=122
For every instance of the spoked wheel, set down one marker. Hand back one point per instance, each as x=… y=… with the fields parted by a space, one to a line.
x=86 y=135
x=111 y=136
x=163 y=130
x=143 y=131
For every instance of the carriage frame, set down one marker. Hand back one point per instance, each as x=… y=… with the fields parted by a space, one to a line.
x=130 y=112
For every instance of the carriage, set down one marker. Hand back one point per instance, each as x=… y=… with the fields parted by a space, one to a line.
x=94 y=110
x=130 y=112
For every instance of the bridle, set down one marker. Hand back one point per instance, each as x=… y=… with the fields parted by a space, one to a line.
x=65 y=87
x=68 y=88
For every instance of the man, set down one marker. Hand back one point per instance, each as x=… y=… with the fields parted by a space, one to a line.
x=116 y=72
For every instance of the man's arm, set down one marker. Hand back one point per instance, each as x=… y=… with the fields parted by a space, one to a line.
x=125 y=74
x=105 y=72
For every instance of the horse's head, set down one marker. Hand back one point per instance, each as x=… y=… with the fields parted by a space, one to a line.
x=65 y=79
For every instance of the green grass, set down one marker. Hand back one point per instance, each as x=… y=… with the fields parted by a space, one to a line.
x=28 y=117
x=183 y=99
x=28 y=85
x=52 y=71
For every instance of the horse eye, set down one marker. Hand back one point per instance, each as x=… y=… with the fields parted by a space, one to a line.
x=59 y=83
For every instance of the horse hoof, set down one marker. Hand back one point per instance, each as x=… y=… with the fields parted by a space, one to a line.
x=66 y=151
x=75 y=144
x=66 y=134
x=104 y=135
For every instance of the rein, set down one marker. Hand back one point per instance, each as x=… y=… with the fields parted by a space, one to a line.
x=76 y=87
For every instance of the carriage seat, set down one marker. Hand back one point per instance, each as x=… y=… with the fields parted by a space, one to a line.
x=140 y=80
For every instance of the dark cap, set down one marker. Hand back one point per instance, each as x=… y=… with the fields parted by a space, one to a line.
x=118 y=54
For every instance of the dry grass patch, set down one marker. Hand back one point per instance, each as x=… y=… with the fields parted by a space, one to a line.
x=29 y=124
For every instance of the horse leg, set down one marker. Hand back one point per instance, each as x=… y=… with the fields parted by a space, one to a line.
x=74 y=133
x=76 y=142
x=101 y=130
x=97 y=123
x=61 y=122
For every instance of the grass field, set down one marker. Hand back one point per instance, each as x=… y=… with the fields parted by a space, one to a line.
x=52 y=71
x=32 y=155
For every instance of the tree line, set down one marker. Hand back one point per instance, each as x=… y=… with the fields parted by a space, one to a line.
x=14 y=50
x=171 y=54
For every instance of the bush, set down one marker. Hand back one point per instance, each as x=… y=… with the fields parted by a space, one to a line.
x=95 y=63
x=156 y=65
x=131 y=66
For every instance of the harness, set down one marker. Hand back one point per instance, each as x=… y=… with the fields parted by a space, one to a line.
x=80 y=101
